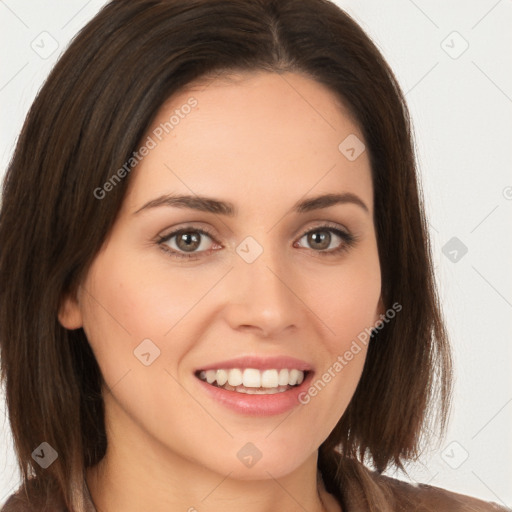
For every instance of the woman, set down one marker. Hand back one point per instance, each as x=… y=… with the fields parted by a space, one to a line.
x=217 y=290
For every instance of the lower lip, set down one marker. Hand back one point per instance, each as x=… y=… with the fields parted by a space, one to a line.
x=258 y=405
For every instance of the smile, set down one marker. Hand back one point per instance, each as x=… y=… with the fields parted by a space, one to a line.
x=253 y=381
x=255 y=386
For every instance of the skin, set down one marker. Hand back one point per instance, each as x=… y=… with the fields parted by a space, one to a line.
x=261 y=141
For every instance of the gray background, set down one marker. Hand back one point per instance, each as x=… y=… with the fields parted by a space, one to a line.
x=453 y=61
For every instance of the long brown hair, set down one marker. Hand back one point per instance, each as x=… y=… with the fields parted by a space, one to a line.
x=87 y=121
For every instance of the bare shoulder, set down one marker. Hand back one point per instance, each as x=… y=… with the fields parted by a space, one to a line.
x=427 y=498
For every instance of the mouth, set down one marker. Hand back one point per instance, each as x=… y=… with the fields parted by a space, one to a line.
x=256 y=386
x=253 y=381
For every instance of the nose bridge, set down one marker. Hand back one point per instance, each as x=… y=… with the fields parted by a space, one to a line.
x=262 y=297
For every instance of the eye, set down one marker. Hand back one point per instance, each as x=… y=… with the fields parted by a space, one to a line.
x=188 y=242
x=326 y=240
x=192 y=242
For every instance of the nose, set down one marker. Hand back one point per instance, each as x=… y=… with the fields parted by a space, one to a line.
x=261 y=297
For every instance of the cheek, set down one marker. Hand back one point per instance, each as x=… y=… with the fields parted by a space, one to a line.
x=124 y=303
x=129 y=299
x=347 y=301
x=133 y=308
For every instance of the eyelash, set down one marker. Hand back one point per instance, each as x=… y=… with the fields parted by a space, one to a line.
x=349 y=241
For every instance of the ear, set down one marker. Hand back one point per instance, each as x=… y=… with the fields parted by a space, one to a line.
x=70 y=315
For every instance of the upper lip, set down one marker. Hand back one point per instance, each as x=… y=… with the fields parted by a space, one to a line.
x=259 y=363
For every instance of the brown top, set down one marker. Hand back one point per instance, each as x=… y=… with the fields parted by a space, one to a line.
x=398 y=496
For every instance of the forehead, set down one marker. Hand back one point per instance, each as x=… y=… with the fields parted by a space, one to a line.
x=256 y=137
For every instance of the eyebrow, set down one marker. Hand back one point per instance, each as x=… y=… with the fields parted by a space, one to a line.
x=211 y=205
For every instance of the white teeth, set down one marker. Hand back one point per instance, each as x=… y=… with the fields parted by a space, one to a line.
x=283 y=378
x=235 y=377
x=222 y=377
x=251 y=379
x=294 y=376
x=269 y=379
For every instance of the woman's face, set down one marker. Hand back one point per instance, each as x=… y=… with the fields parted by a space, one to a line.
x=248 y=289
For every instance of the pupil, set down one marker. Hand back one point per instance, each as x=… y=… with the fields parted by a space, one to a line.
x=190 y=240
x=319 y=237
